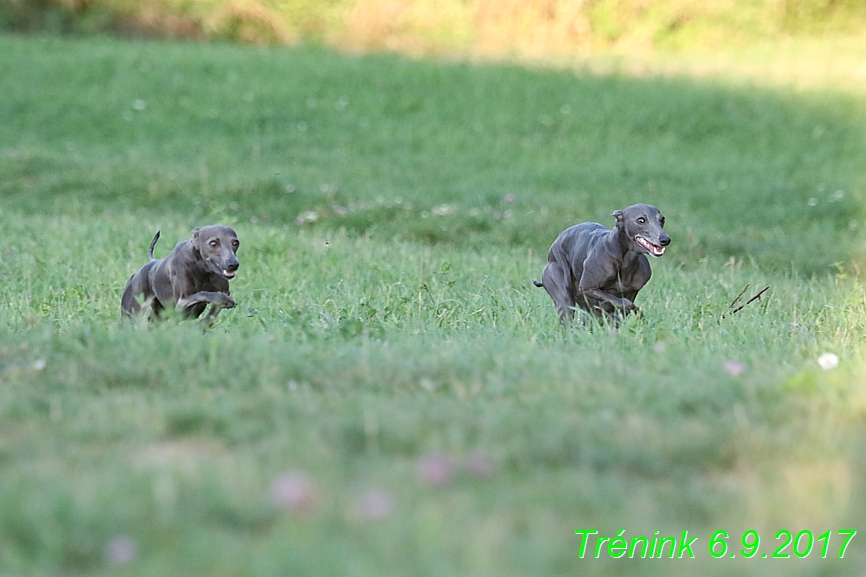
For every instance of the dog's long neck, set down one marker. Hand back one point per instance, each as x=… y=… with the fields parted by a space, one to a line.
x=626 y=248
x=198 y=263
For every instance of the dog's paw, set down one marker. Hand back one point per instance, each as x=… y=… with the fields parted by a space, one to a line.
x=227 y=302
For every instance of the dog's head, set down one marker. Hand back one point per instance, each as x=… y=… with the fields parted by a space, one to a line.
x=217 y=246
x=645 y=225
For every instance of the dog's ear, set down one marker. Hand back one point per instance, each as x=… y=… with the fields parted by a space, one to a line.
x=619 y=216
x=195 y=241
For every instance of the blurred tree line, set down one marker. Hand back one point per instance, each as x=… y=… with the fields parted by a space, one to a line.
x=528 y=27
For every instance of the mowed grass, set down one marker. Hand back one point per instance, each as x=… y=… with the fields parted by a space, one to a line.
x=392 y=396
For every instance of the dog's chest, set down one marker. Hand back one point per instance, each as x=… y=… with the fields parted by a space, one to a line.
x=627 y=280
x=618 y=287
x=211 y=282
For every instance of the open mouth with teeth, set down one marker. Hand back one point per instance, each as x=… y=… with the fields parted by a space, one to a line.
x=229 y=273
x=651 y=248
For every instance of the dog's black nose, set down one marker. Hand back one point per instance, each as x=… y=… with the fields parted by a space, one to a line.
x=233 y=266
x=664 y=240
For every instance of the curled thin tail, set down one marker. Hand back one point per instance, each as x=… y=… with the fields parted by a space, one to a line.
x=152 y=244
x=538 y=284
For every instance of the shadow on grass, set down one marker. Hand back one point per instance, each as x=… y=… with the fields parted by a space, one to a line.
x=466 y=154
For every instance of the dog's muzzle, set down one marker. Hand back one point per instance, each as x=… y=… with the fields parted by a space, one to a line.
x=653 y=249
x=231 y=270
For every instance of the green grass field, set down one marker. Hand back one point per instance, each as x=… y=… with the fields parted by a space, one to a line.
x=392 y=396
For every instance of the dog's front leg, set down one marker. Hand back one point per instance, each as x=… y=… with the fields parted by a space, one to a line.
x=620 y=303
x=211 y=314
x=217 y=300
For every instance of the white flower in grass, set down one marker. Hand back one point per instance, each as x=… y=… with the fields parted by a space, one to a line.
x=828 y=361
x=305 y=217
x=444 y=210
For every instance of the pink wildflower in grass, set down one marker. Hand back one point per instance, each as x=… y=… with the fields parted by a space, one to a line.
x=435 y=469
x=373 y=505
x=294 y=491
x=733 y=367
x=121 y=550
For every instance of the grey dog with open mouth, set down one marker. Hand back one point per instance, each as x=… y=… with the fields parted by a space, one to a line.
x=601 y=270
x=194 y=274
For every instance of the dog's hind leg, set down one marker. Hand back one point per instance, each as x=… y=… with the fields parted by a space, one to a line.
x=557 y=281
x=129 y=305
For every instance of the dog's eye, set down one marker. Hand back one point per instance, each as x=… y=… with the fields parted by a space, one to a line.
x=235 y=245
x=214 y=242
x=641 y=220
x=663 y=222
